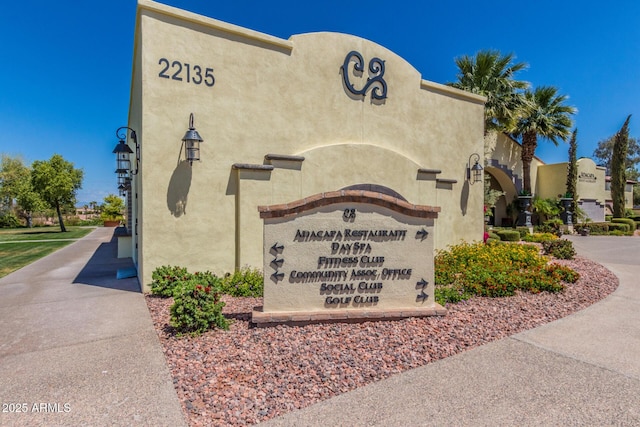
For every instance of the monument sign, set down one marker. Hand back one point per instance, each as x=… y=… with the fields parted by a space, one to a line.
x=349 y=254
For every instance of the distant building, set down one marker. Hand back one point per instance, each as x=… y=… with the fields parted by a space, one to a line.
x=504 y=165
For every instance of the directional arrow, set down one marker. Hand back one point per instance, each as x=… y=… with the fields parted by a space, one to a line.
x=422 y=283
x=276 y=277
x=277 y=263
x=275 y=249
x=422 y=234
x=422 y=296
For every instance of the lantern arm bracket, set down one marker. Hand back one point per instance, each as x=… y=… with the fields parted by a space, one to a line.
x=122 y=134
x=474 y=169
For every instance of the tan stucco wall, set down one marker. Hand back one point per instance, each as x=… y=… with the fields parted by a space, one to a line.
x=504 y=153
x=552 y=181
x=284 y=97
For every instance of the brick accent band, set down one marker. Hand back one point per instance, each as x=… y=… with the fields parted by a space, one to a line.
x=348 y=196
x=260 y=318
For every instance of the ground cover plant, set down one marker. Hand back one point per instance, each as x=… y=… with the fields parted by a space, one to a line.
x=245 y=282
x=539 y=237
x=560 y=248
x=22 y=246
x=495 y=270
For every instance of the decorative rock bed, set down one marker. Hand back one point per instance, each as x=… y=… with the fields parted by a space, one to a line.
x=247 y=374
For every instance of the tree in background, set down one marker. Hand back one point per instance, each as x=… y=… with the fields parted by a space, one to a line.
x=12 y=172
x=56 y=181
x=17 y=195
x=491 y=74
x=604 y=152
x=112 y=208
x=28 y=201
x=544 y=114
x=618 y=166
x=572 y=171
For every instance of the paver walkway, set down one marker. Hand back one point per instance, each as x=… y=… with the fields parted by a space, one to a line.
x=77 y=346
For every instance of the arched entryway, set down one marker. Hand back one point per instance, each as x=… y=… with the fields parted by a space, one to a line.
x=501 y=181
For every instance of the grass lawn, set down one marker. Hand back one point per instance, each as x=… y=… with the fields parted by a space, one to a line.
x=22 y=246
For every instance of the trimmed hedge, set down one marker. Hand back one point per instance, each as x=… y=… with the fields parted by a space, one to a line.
x=619 y=226
x=631 y=223
x=596 y=228
x=524 y=231
x=509 y=235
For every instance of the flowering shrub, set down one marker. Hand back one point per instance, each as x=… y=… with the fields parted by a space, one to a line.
x=197 y=306
x=166 y=278
x=246 y=282
x=467 y=269
x=539 y=237
x=561 y=248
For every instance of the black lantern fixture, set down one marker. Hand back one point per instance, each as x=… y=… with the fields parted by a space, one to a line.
x=474 y=172
x=192 y=142
x=123 y=161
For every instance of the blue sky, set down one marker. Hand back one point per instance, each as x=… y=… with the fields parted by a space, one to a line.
x=65 y=66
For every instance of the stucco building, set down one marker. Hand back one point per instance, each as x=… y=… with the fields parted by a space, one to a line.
x=504 y=165
x=282 y=120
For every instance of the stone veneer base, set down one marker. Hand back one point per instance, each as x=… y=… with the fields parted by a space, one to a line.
x=262 y=319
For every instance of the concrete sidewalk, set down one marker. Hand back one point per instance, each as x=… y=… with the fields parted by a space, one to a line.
x=77 y=346
x=580 y=370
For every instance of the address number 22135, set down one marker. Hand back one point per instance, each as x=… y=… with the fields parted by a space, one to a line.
x=185 y=72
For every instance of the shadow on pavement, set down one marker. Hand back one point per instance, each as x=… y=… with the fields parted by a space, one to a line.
x=103 y=266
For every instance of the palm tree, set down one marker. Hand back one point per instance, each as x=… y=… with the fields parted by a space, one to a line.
x=544 y=114
x=491 y=74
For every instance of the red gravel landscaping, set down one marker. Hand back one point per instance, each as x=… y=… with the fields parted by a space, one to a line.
x=247 y=374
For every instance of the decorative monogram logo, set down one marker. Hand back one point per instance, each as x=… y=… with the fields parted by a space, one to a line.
x=375 y=81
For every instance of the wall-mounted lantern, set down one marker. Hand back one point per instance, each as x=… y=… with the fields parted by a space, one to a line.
x=192 y=142
x=123 y=153
x=474 y=172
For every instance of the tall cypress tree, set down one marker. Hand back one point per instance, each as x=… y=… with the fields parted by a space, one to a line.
x=618 y=176
x=572 y=171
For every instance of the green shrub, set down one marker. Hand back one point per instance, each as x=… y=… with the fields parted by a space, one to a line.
x=524 y=231
x=9 y=220
x=560 y=248
x=628 y=221
x=450 y=293
x=553 y=226
x=197 y=308
x=509 y=235
x=539 y=237
x=563 y=273
x=493 y=270
x=89 y=222
x=608 y=218
x=492 y=237
x=246 y=282
x=166 y=279
x=618 y=226
x=596 y=228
